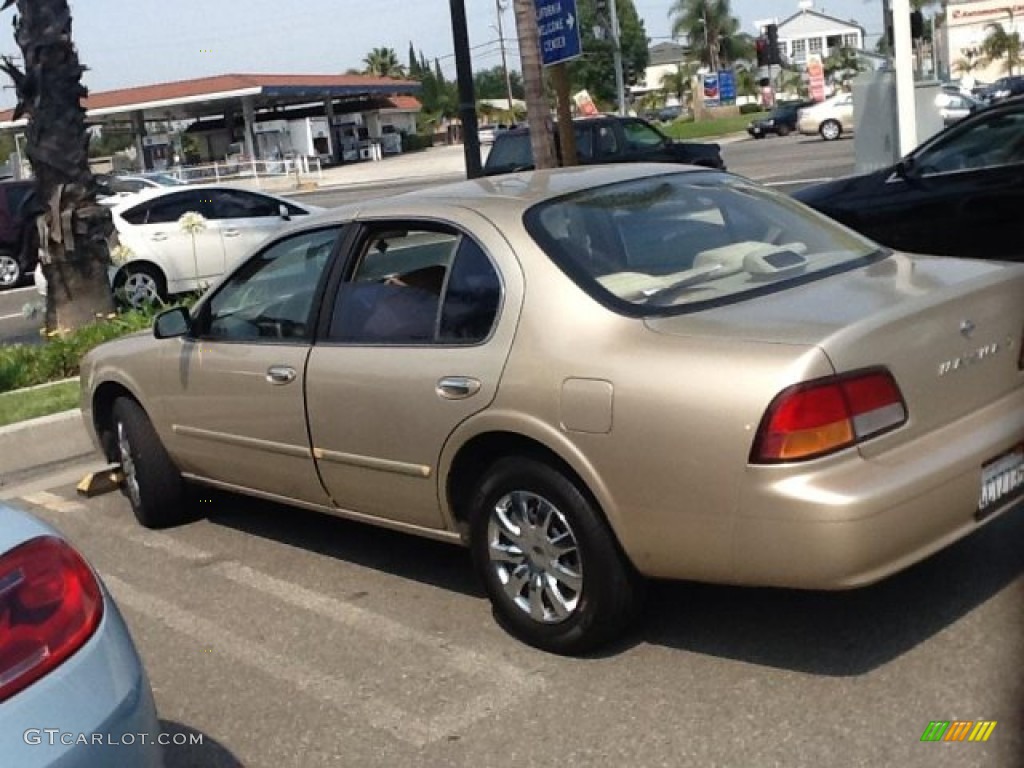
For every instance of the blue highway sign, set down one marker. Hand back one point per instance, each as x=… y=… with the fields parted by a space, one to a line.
x=558 y=24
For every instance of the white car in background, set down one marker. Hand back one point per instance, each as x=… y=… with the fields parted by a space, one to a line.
x=163 y=259
x=830 y=119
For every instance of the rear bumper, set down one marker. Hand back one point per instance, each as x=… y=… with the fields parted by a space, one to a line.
x=854 y=521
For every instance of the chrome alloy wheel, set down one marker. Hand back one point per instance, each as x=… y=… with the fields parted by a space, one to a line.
x=10 y=272
x=140 y=288
x=535 y=557
x=128 y=469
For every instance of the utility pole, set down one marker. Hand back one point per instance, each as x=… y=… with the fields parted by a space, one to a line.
x=620 y=87
x=467 y=99
x=537 y=113
x=501 y=5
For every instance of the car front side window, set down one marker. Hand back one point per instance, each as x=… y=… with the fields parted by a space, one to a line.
x=270 y=297
x=641 y=136
x=989 y=143
x=169 y=208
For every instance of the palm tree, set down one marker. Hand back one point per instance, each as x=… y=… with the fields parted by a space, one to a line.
x=383 y=62
x=712 y=30
x=680 y=82
x=76 y=231
x=1000 y=44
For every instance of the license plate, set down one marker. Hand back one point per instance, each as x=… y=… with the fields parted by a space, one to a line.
x=1002 y=480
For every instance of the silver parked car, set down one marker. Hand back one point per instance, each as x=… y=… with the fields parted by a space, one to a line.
x=73 y=692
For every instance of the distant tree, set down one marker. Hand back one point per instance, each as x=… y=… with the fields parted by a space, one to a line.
x=713 y=32
x=680 y=82
x=490 y=84
x=1000 y=45
x=595 y=70
x=76 y=232
x=107 y=143
x=383 y=62
x=842 y=65
x=413 y=70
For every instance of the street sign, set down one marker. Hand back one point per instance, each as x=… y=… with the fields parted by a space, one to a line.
x=558 y=25
x=727 y=86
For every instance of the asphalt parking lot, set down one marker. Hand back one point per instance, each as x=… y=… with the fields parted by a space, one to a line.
x=290 y=638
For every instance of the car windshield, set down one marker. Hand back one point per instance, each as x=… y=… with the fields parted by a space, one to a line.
x=679 y=242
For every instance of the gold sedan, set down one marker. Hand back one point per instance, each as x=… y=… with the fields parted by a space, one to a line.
x=590 y=377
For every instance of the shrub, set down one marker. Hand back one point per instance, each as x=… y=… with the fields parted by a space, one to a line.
x=412 y=142
x=747 y=109
x=60 y=356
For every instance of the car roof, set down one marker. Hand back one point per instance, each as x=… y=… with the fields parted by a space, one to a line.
x=513 y=190
x=150 y=193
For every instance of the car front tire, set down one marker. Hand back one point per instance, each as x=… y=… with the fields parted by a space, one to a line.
x=830 y=130
x=10 y=271
x=152 y=483
x=783 y=130
x=548 y=560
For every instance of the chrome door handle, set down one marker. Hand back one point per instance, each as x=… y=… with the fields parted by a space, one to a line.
x=231 y=233
x=281 y=374
x=158 y=236
x=457 y=387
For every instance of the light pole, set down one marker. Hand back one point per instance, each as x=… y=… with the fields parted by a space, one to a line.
x=501 y=5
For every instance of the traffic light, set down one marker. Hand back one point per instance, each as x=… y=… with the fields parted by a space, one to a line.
x=916 y=25
x=761 y=44
x=774 y=55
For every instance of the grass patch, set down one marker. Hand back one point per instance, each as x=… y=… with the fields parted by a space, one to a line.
x=709 y=128
x=32 y=403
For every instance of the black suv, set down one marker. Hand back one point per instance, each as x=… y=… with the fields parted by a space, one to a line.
x=604 y=139
x=18 y=236
x=782 y=120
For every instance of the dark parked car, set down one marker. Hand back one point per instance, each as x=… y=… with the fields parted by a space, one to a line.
x=1004 y=88
x=604 y=139
x=959 y=194
x=17 y=232
x=782 y=120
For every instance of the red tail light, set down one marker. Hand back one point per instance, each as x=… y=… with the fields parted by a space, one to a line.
x=50 y=604
x=820 y=417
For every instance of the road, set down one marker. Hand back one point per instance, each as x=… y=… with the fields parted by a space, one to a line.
x=290 y=638
x=786 y=163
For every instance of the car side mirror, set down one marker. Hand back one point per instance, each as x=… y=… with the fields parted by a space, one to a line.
x=283 y=212
x=905 y=168
x=172 y=323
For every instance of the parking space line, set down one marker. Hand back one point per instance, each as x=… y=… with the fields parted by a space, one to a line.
x=489 y=670
x=12 y=316
x=331 y=690
x=53 y=502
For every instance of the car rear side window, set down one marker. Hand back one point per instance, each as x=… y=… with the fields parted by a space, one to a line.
x=417 y=286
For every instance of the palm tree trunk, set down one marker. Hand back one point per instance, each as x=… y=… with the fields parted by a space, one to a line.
x=75 y=231
x=538 y=115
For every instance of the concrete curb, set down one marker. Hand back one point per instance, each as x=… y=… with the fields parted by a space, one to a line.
x=39 y=442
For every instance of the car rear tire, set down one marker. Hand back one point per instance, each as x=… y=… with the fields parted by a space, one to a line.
x=548 y=560
x=152 y=483
x=830 y=130
x=783 y=130
x=138 y=285
x=10 y=271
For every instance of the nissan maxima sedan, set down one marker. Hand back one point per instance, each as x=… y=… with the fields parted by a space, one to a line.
x=590 y=377
x=73 y=692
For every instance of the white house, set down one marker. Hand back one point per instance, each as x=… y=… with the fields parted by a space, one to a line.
x=809 y=31
x=967 y=25
x=662 y=59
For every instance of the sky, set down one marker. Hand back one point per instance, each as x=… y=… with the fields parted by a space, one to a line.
x=139 y=42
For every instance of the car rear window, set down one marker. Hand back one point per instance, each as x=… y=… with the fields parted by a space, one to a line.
x=681 y=242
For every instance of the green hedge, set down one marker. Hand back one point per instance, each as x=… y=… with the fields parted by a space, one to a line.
x=749 y=109
x=59 y=357
x=412 y=142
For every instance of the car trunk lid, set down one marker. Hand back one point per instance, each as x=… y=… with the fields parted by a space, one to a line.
x=949 y=330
